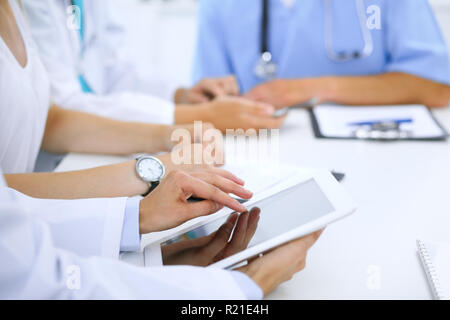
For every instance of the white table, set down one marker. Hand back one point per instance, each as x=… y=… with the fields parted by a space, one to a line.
x=403 y=193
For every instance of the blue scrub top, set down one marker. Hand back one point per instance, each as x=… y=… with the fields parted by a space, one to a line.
x=229 y=40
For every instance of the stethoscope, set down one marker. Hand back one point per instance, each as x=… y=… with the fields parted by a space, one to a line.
x=267 y=69
x=73 y=10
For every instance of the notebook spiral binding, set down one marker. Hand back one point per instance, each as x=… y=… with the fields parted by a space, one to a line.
x=430 y=270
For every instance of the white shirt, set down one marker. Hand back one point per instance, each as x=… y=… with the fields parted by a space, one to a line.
x=24 y=103
x=60 y=249
x=101 y=59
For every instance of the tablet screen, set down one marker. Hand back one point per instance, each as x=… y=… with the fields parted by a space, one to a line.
x=279 y=213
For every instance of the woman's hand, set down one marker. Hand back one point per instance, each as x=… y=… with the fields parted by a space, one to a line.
x=208 y=89
x=168 y=207
x=217 y=246
x=280 y=264
x=239 y=113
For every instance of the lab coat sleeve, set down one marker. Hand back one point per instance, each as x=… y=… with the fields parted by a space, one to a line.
x=35 y=267
x=57 y=52
x=124 y=106
x=88 y=227
x=211 y=59
x=415 y=42
x=131 y=238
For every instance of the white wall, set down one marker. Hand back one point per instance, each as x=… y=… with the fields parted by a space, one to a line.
x=168 y=28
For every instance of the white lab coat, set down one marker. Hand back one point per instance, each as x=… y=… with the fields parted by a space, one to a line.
x=44 y=244
x=40 y=239
x=102 y=59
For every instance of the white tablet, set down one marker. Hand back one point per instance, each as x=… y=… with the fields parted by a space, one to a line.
x=308 y=205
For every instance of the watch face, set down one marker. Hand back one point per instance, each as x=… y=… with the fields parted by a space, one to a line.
x=150 y=170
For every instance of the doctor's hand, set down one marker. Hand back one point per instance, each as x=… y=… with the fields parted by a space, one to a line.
x=280 y=264
x=289 y=92
x=208 y=89
x=217 y=246
x=167 y=205
x=239 y=113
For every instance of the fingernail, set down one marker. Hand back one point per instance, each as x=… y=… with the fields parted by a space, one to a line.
x=242 y=208
x=232 y=216
x=269 y=110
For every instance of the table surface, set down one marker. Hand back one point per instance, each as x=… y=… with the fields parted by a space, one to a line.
x=403 y=193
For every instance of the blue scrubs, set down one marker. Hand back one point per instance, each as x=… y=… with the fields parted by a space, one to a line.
x=409 y=40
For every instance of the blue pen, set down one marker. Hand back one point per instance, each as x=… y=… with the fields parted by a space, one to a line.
x=370 y=123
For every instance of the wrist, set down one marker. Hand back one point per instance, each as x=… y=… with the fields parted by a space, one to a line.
x=166 y=160
x=136 y=185
x=166 y=138
x=326 y=89
x=185 y=114
x=161 y=135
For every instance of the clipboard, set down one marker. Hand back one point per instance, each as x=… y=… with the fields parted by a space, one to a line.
x=364 y=113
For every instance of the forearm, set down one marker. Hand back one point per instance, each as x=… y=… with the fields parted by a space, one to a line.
x=389 y=88
x=72 y=131
x=118 y=180
x=185 y=114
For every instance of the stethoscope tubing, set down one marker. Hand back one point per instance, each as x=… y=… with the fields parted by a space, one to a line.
x=329 y=48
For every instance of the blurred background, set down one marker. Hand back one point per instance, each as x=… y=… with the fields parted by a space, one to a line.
x=169 y=29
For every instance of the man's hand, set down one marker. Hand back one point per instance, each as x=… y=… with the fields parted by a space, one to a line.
x=168 y=207
x=239 y=113
x=208 y=89
x=217 y=246
x=287 y=93
x=279 y=265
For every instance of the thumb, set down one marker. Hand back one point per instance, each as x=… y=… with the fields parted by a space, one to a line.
x=196 y=97
x=261 y=109
x=220 y=240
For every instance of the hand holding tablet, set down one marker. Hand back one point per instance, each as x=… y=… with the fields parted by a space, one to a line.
x=303 y=206
x=232 y=237
x=279 y=265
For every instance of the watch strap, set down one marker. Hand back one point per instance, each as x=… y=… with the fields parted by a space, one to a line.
x=152 y=187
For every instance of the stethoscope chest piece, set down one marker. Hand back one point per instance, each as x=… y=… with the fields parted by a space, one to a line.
x=266 y=68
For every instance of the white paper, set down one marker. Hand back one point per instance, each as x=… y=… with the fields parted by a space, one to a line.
x=334 y=120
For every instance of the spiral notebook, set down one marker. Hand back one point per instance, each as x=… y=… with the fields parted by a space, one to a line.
x=435 y=259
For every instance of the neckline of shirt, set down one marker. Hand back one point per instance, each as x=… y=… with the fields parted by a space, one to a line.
x=25 y=40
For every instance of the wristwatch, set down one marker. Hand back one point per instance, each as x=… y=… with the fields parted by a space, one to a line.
x=151 y=170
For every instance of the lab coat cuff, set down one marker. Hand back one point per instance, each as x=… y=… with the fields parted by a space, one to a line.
x=251 y=290
x=131 y=239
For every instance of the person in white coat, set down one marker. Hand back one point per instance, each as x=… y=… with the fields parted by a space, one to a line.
x=52 y=232
x=94 y=227
x=28 y=123
x=82 y=47
x=58 y=258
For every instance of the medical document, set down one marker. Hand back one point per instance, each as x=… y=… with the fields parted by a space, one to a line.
x=336 y=121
